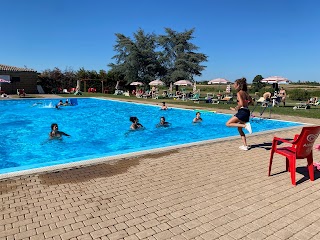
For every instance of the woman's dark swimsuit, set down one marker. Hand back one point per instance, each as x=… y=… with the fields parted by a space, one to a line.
x=243 y=114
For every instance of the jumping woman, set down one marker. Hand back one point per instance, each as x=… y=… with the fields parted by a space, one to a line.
x=242 y=117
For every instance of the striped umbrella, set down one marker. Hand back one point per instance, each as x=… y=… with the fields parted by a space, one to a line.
x=275 y=79
x=3 y=81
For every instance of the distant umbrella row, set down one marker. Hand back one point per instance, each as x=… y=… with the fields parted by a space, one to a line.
x=273 y=79
x=161 y=83
x=181 y=82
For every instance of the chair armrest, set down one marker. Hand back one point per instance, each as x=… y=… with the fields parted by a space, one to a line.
x=282 y=140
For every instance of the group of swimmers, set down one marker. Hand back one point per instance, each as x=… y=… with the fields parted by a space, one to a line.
x=136 y=125
x=240 y=119
x=61 y=103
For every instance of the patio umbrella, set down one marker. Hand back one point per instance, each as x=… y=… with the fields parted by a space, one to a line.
x=156 y=83
x=183 y=83
x=275 y=79
x=194 y=86
x=171 y=87
x=136 y=83
x=219 y=81
x=3 y=81
x=228 y=89
x=117 y=85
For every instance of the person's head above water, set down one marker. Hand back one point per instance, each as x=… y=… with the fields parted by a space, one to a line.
x=54 y=126
x=133 y=119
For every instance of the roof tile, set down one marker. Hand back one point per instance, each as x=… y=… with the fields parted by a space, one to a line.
x=14 y=69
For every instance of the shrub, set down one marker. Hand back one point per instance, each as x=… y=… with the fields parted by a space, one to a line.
x=299 y=95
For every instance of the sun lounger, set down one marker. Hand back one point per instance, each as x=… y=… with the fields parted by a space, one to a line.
x=215 y=101
x=301 y=105
x=227 y=100
x=264 y=105
x=195 y=98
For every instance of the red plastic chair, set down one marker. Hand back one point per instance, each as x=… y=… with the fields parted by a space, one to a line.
x=92 y=90
x=301 y=147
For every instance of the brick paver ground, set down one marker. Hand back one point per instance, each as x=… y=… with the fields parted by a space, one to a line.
x=210 y=191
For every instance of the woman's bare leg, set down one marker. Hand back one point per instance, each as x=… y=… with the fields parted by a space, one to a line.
x=235 y=122
x=243 y=136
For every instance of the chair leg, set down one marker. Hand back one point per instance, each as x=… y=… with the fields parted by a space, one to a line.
x=287 y=165
x=310 y=167
x=292 y=166
x=270 y=162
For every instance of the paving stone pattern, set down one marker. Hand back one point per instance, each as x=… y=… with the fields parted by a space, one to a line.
x=210 y=191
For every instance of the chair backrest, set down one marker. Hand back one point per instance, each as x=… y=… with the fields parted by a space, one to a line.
x=305 y=141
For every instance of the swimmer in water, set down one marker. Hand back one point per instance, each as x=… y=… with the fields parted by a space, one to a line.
x=55 y=133
x=163 y=123
x=197 y=118
x=135 y=123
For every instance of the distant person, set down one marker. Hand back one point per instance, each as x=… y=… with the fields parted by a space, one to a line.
x=77 y=92
x=283 y=96
x=66 y=103
x=135 y=123
x=267 y=96
x=164 y=107
x=163 y=123
x=197 y=118
x=242 y=117
x=60 y=103
x=55 y=133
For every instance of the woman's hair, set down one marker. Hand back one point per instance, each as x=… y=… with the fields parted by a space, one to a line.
x=133 y=119
x=53 y=124
x=242 y=82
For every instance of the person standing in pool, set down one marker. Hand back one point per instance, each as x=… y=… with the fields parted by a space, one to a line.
x=55 y=133
x=242 y=117
x=135 y=123
x=164 y=107
x=197 y=118
x=163 y=123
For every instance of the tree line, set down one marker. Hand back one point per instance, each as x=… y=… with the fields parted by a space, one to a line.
x=145 y=57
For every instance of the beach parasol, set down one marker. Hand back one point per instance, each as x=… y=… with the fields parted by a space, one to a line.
x=194 y=86
x=219 y=81
x=3 y=81
x=117 y=86
x=275 y=79
x=136 y=83
x=183 y=83
x=156 y=83
x=228 y=89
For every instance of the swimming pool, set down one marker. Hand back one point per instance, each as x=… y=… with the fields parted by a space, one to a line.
x=100 y=128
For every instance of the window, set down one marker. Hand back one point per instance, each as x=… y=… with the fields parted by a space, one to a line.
x=15 y=79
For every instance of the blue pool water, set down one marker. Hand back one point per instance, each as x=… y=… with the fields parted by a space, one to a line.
x=99 y=128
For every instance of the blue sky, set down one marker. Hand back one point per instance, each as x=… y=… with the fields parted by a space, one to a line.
x=242 y=38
